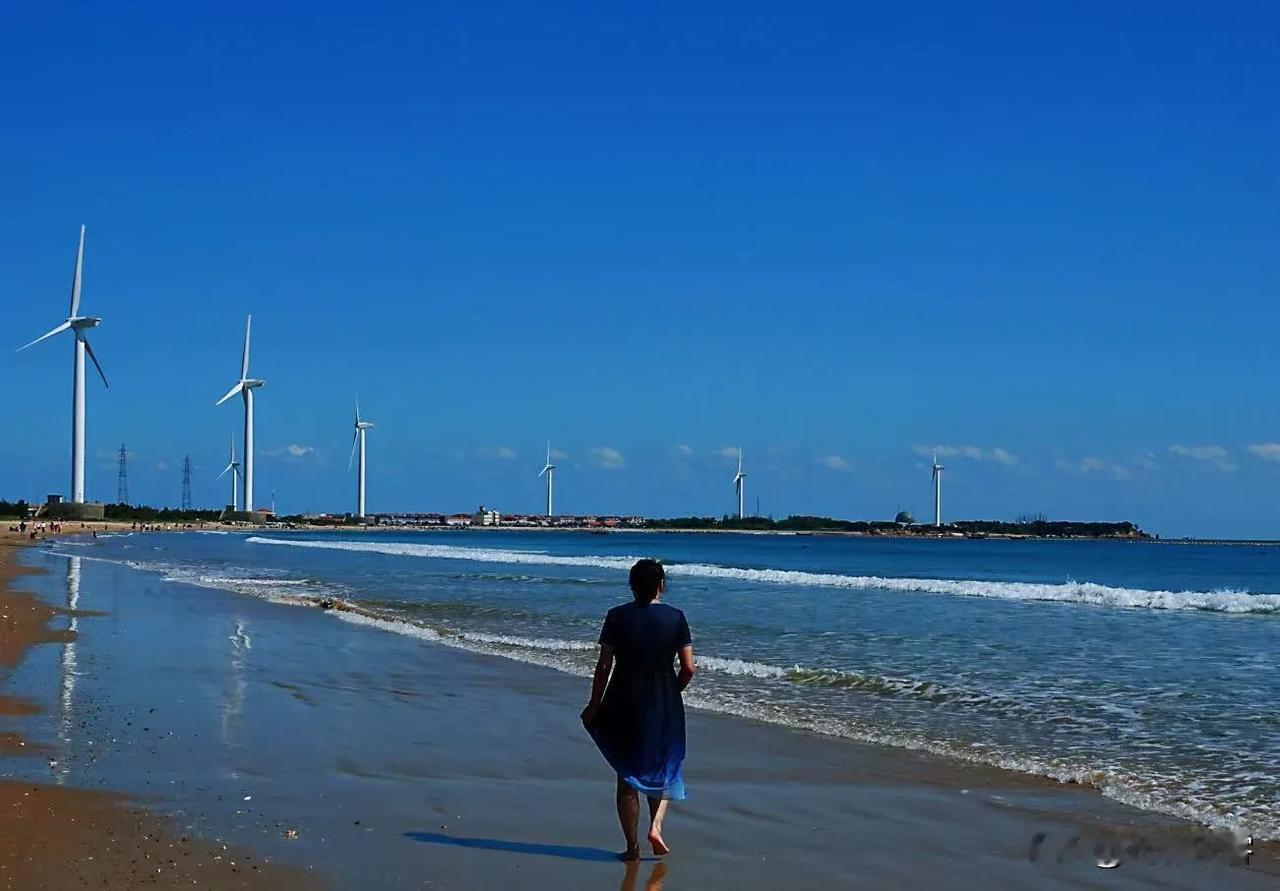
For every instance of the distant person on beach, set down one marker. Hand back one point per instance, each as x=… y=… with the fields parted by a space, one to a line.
x=636 y=713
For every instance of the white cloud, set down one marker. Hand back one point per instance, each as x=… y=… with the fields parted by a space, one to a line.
x=608 y=458
x=292 y=451
x=1214 y=455
x=730 y=452
x=1092 y=466
x=835 y=462
x=501 y=453
x=972 y=453
x=557 y=455
x=162 y=466
x=1148 y=462
x=1000 y=455
x=681 y=451
x=1267 y=451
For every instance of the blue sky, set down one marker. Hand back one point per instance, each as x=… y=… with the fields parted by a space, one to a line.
x=1043 y=237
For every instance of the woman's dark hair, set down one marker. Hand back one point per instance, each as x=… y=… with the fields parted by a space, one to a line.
x=646 y=577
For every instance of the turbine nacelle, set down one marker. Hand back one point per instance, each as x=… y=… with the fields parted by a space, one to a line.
x=357 y=429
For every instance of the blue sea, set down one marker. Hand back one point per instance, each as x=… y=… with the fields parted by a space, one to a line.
x=1149 y=671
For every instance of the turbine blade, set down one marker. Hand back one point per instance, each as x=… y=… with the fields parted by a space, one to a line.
x=75 y=279
x=96 y=364
x=244 y=357
x=63 y=327
x=233 y=391
x=357 y=409
x=354 y=441
x=224 y=471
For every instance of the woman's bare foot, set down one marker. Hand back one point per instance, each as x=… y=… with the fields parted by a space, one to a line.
x=659 y=846
x=630 y=855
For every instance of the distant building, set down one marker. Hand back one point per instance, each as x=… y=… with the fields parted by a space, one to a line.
x=485 y=517
x=904 y=518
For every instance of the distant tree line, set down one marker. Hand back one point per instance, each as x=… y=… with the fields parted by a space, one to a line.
x=129 y=513
x=141 y=513
x=16 y=509
x=1037 y=527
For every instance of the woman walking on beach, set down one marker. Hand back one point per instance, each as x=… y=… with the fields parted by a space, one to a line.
x=636 y=714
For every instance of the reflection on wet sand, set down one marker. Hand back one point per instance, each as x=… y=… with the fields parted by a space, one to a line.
x=657 y=877
x=68 y=672
x=233 y=703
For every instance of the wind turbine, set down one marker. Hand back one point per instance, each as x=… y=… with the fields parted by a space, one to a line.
x=234 y=467
x=937 y=491
x=245 y=387
x=739 y=484
x=78 y=325
x=549 y=471
x=360 y=428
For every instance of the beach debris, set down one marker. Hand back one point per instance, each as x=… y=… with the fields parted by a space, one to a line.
x=248 y=798
x=291 y=834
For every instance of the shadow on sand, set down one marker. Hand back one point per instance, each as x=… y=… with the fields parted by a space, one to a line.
x=568 y=852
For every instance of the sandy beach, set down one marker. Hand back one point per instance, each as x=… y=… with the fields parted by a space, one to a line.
x=58 y=836
x=379 y=760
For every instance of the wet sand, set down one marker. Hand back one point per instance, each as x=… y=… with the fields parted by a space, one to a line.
x=395 y=762
x=54 y=836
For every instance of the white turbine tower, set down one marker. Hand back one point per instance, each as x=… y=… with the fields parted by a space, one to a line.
x=937 y=491
x=245 y=387
x=549 y=471
x=360 y=429
x=78 y=325
x=234 y=467
x=739 y=485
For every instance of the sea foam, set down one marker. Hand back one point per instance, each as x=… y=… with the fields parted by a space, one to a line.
x=1223 y=601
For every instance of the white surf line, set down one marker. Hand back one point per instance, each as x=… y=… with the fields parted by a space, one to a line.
x=1221 y=601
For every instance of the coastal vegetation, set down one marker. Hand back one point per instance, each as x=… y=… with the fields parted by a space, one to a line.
x=1032 y=528
x=128 y=513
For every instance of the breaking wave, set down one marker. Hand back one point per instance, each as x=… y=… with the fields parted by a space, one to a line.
x=1221 y=601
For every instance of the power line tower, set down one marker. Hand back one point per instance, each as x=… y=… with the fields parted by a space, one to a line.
x=186 y=482
x=122 y=478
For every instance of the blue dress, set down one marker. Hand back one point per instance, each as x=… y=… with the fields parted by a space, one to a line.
x=639 y=727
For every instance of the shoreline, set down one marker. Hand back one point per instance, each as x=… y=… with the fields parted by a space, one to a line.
x=841 y=787
x=57 y=835
x=118 y=527
x=834 y=533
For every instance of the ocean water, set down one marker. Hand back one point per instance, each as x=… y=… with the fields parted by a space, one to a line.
x=1149 y=671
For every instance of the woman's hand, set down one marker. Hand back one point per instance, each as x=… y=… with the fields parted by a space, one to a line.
x=598 y=682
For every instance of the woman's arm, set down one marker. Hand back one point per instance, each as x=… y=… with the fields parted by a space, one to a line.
x=598 y=682
x=687 y=668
